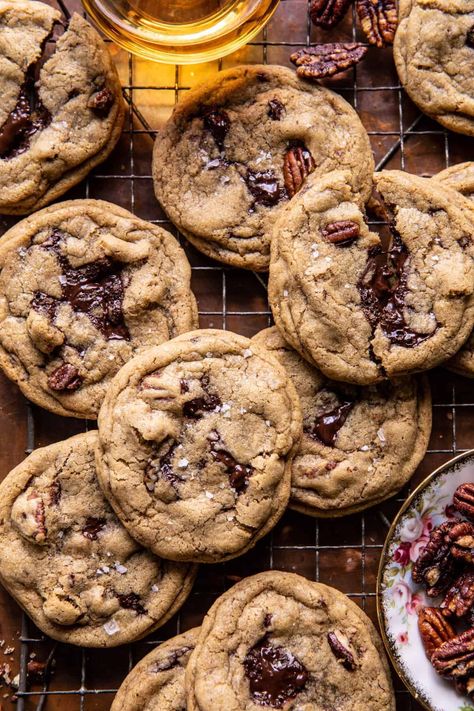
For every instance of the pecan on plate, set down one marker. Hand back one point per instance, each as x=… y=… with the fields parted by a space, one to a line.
x=298 y=163
x=66 y=377
x=379 y=20
x=328 y=13
x=463 y=500
x=462 y=541
x=436 y=567
x=342 y=234
x=325 y=60
x=455 y=657
x=459 y=598
x=434 y=629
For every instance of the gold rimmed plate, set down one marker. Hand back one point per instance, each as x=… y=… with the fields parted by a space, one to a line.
x=399 y=597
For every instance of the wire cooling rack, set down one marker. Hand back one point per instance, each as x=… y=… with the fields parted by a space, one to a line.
x=343 y=553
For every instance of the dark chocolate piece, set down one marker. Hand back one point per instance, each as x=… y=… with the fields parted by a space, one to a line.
x=274 y=674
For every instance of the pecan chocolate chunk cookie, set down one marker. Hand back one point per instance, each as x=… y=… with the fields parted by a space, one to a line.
x=157 y=682
x=239 y=147
x=362 y=307
x=196 y=439
x=280 y=641
x=62 y=110
x=360 y=444
x=434 y=55
x=69 y=562
x=84 y=286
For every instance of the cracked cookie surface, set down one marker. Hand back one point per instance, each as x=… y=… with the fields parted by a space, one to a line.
x=196 y=438
x=156 y=683
x=280 y=641
x=85 y=286
x=238 y=148
x=62 y=109
x=434 y=56
x=69 y=562
x=361 y=307
x=360 y=445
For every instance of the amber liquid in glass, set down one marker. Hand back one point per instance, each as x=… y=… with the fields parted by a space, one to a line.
x=181 y=31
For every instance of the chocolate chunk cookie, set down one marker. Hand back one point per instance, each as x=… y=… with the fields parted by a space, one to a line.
x=84 y=286
x=361 y=307
x=68 y=561
x=279 y=641
x=62 y=109
x=196 y=440
x=434 y=55
x=239 y=147
x=360 y=444
x=157 y=682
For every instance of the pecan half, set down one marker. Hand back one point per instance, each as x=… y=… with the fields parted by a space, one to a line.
x=328 y=13
x=297 y=165
x=462 y=539
x=325 y=60
x=463 y=500
x=66 y=377
x=101 y=102
x=434 y=629
x=455 y=657
x=436 y=567
x=379 y=20
x=341 y=648
x=343 y=233
x=459 y=599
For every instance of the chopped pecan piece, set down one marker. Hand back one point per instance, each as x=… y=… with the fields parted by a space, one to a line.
x=66 y=377
x=462 y=539
x=379 y=20
x=455 y=657
x=341 y=648
x=463 y=500
x=297 y=165
x=459 y=599
x=276 y=110
x=325 y=60
x=436 y=567
x=101 y=102
x=434 y=629
x=343 y=233
x=328 y=13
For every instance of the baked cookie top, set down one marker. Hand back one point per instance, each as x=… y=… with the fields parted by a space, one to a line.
x=280 y=641
x=196 y=438
x=360 y=445
x=69 y=562
x=156 y=683
x=360 y=308
x=434 y=55
x=62 y=109
x=239 y=147
x=84 y=286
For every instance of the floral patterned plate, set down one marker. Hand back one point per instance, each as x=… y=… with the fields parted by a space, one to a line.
x=398 y=597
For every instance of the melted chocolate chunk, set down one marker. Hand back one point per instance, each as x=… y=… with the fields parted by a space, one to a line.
x=195 y=408
x=183 y=386
x=239 y=474
x=264 y=187
x=327 y=425
x=101 y=102
x=274 y=673
x=132 y=602
x=470 y=38
x=93 y=527
x=172 y=661
x=276 y=109
x=382 y=288
x=45 y=304
x=341 y=652
x=217 y=122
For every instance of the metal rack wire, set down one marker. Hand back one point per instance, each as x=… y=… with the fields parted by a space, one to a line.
x=344 y=553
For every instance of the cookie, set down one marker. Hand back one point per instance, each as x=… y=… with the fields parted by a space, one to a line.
x=62 y=109
x=196 y=439
x=69 y=562
x=280 y=641
x=239 y=147
x=434 y=56
x=360 y=445
x=84 y=286
x=362 y=308
x=156 y=683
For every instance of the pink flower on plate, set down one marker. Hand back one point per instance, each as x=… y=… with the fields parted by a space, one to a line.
x=427 y=525
x=402 y=594
x=412 y=528
x=402 y=554
x=415 y=603
x=417 y=547
x=402 y=638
